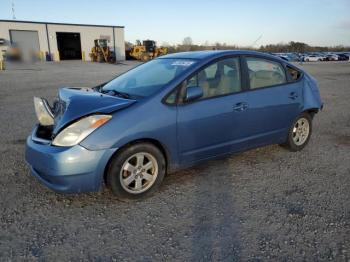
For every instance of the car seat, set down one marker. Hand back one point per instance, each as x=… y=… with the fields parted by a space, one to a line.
x=229 y=83
x=203 y=83
x=265 y=78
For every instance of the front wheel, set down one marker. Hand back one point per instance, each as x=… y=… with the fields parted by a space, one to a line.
x=299 y=132
x=145 y=57
x=136 y=172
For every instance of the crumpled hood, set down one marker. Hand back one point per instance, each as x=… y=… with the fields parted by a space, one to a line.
x=74 y=103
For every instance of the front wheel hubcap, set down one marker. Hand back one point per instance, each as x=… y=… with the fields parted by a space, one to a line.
x=139 y=172
x=301 y=131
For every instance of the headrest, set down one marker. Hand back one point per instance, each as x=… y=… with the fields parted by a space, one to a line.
x=202 y=76
x=232 y=73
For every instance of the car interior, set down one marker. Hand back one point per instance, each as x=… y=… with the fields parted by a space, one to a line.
x=218 y=79
x=294 y=74
x=263 y=78
x=265 y=73
x=223 y=77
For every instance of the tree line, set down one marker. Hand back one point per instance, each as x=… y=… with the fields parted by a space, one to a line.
x=297 y=47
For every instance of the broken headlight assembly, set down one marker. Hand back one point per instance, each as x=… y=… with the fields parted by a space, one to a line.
x=43 y=112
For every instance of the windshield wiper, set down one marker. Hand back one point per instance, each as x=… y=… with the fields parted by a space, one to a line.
x=121 y=94
x=115 y=93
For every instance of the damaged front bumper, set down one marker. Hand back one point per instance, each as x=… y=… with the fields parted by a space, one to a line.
x=66 y=169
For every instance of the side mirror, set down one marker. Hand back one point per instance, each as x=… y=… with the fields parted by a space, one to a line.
x=193 y=93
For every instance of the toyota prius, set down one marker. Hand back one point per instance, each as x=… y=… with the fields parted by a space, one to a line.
x=170 y=113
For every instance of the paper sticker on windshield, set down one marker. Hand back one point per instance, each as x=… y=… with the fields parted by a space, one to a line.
x=182 y=63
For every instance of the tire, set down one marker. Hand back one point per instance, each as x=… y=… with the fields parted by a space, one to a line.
x=307 y=60
x=145 y=57
x=127 y=172
x=303 y=134
x=100 y=59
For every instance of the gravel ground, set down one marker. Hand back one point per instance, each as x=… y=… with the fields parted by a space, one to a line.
x=264 y=204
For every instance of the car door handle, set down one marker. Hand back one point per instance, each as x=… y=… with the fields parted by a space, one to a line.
x=239 y=107
x=293 y=95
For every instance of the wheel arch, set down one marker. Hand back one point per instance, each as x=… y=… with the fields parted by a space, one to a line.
x=152 y=141
x=311 y=111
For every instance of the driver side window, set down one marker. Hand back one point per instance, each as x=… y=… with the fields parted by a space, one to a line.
x=220 y=78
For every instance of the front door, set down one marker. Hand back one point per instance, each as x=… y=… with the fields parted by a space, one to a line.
x=211 y=125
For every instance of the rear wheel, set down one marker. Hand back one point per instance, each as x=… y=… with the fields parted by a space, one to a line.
x=137 y=171
x=299 y=132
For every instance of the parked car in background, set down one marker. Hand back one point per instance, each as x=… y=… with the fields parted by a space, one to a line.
x=343 y=57
x=293 y=57
x=290 y=57
x=332 y=57
x=170 y=113
x=313 y=58
x=282 y=56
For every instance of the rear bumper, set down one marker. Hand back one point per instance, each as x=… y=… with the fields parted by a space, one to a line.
x=67 y=169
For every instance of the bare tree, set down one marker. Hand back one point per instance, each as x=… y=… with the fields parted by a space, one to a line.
x=187 y=41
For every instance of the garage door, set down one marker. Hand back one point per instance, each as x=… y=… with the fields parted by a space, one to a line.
x=27 y=41
x=69 y=45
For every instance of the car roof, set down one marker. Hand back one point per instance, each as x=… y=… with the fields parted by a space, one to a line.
x=210 y=54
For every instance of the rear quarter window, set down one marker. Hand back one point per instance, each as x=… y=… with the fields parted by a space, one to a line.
x=294 y=74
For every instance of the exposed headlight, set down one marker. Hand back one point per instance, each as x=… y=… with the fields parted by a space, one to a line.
x=79 y=130
x=43 y=112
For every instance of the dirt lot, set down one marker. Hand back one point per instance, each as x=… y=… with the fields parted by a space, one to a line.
x=265 y=204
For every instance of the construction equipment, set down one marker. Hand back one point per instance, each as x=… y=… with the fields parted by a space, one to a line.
x=146 y=51
x=101 y=52
x=13 y=53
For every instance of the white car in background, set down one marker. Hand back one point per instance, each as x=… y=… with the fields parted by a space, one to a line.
x=313 y=58
x=332 y=57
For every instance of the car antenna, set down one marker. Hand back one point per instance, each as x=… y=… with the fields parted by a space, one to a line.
x=254 y=43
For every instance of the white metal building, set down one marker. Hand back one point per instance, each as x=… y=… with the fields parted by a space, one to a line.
x=61 y=41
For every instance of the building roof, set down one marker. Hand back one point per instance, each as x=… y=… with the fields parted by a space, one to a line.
x=52 y=23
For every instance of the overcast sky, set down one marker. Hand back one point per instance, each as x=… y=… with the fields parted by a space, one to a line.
x=315 y=22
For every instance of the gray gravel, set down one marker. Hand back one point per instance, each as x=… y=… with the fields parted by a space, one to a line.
x=264 y=204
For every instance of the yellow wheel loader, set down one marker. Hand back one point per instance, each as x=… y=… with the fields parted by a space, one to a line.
x=146 y=51
x=101 y=52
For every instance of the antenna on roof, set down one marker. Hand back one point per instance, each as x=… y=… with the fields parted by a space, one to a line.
x=13 y=10
x=254 y=43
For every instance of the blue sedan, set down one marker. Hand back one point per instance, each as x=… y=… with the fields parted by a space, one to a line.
x=170 y=113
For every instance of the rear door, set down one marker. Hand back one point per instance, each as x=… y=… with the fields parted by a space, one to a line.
x=273 y=101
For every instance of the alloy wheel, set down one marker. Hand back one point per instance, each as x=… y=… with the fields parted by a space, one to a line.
x=139 y=172
x=301 y=131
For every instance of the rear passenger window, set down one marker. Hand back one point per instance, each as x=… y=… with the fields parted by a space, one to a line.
x=293 y=73
x=264 y=73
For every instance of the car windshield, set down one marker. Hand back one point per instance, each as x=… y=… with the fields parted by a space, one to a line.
x=148 y=78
